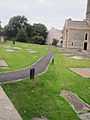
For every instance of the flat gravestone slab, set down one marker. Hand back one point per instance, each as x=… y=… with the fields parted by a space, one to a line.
x=85 y=116
x=68 y=55
x=10 y=50
x=3 y=63
x=84 y=72
x=13 y=49
x=42 y=118
x=31 y=51
x=77 y=57
x=78 y=105
x=16 y=48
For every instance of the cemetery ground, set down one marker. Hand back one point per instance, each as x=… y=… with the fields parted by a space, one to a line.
x=41 y=97
x=19 y=56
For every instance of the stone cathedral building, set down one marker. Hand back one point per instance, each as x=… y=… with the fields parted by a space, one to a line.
x=76 y=34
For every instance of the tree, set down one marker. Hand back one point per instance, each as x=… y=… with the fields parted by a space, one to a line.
x=55 y=42
x=15 y=24
x=0 y=26
x=40 y=31
x=18 y=28
x=38 y=40
x=21 y=35
x=29 y=31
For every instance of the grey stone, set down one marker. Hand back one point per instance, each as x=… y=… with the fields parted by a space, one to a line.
x=42 y=118
x=7 y=110
x=3 y=63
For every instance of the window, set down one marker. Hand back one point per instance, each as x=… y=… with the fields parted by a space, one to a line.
x=61 y=42
x=72 y=43
x=86 y=36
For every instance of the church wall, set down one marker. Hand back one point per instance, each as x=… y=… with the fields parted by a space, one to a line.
x=88 y=41
x=65 y=38
x=75 y=38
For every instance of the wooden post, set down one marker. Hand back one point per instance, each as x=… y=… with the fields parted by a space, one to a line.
x=14 y=42
x=32 y=73
x=53 y=60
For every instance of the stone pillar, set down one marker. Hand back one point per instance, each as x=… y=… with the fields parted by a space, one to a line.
x=88 y=10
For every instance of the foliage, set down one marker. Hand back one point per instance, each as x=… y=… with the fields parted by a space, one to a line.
x=21 y=35
x=36 y=33
x=0 y=26
x=39 y=33
x=40 y=30
x=55 y=42
x=15 y=24
x=38 y=40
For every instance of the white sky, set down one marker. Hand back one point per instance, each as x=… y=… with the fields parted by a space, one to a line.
x=52 y=13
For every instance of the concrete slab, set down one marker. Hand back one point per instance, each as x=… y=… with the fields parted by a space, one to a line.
x=84 y=72
x=10 y=50
x=85 y=116
x=43 y=118
x=77 y=57
x=7 y=110
x=3 y=63
x=79 y=106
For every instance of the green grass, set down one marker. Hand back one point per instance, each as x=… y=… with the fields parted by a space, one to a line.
x=21 y=58
x=41 y=97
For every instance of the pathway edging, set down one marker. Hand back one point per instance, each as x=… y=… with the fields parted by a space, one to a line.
x=7 y=109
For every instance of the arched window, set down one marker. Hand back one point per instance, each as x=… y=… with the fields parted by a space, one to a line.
x=61 y=42
x=86 y=36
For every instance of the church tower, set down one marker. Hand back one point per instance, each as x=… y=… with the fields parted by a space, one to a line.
x=88 y=10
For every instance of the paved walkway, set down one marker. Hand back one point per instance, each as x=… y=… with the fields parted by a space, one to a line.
x=7 y=110
x=39 y=66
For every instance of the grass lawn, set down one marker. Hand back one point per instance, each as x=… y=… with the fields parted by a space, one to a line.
x=41 y=97
x=20 y=58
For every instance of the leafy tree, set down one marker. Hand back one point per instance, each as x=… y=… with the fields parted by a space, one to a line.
x=19 y=28
x=15 y=24
x=22 y=35
x=40 y=30
x=0 y=26
x=29 y=30
x=55 y=42
x=38 y=40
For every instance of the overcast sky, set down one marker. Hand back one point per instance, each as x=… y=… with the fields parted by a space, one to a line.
x=49 y=12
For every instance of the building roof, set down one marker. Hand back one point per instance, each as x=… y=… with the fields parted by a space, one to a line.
x=77 y=24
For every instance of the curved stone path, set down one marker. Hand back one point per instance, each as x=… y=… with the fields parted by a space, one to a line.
x=39 y=66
